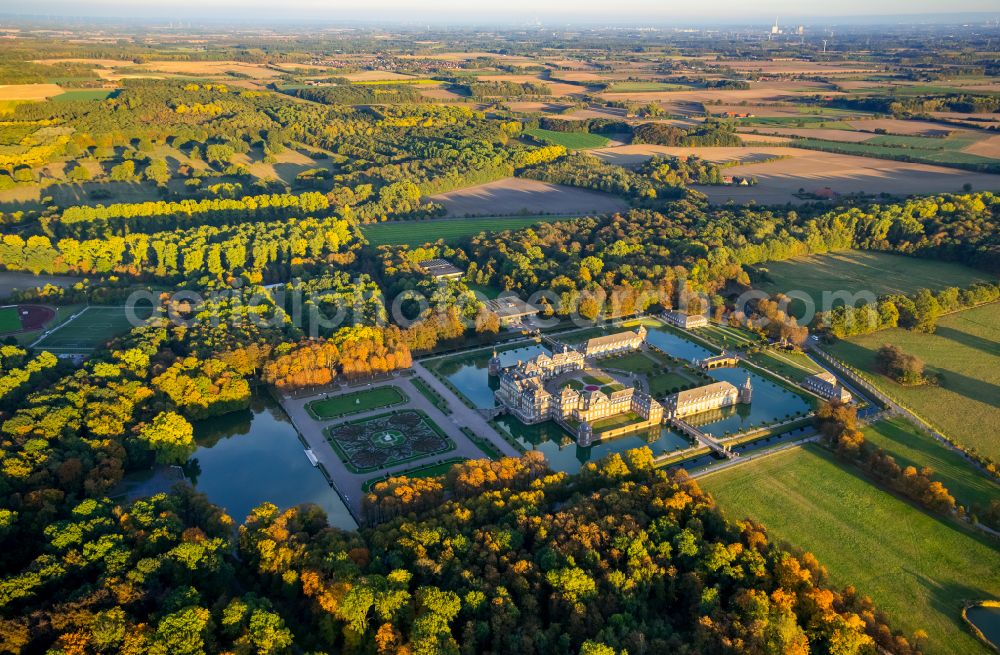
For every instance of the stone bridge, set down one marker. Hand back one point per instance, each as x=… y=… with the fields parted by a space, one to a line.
x=704 y=439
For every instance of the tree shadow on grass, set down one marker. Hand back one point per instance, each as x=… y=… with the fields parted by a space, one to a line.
x=970 y=340
x=972 y=388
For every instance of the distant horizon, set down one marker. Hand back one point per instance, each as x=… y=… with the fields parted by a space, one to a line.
x=514 y=13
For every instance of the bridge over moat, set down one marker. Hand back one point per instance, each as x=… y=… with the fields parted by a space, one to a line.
x=703 y=438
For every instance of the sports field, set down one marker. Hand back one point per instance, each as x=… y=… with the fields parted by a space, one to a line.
x=854 y=271
x=89 y=329
x=964 y=353
x=356 y=402
x=10 y=320
x=415 y=233
x=916 y=567
x=570 y=140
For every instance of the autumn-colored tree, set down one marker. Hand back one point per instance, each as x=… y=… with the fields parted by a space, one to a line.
x=170 y=436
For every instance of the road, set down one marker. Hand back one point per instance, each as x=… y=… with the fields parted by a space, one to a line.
x=466 y=416
x=349 y=484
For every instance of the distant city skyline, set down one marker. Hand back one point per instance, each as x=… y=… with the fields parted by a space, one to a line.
x=510 y=11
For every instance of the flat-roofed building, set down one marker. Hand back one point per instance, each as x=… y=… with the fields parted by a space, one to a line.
x=441 y=269
x=825 y=384
x=511 y=309
x=685 y=321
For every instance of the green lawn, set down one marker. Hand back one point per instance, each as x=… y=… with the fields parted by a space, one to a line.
x=911 y=446
x=923 y=142
x=916 y=567
x=10 y=320
x=415 y=233
x=613 y=422
x=965 y=353
x=793 y=365
x=571 y=140
x=436 y=399
x=861 y=270
x=91 y=328
x=661 y=385
x=727 y=337
x=356 y=402
x=633 y=362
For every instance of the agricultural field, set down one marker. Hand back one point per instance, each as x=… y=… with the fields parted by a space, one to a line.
x=89 y=329
x=945 y=153
x=779 y=181
x=514 y=195
x=84 y=94
x=634 y=87
x=918 y=568
x=913 y=447
x=964 y=356
x=569 y=140
x=415 y=233
x=29 y=91
x=862 y=270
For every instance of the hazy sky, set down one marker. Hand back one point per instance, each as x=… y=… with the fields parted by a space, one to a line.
x=664 y=11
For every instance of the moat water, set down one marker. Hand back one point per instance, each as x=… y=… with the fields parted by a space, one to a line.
x=771 y=403
x=987 y=619
x=676 y=345
x=255 y=456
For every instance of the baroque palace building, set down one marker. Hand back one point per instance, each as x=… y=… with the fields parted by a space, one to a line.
x=614 y=344
x=717 y=395
x=543 y=389
x=554 y=387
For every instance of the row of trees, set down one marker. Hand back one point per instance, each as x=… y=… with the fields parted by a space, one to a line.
x=919 y=312
x=272 y=249
x=83 y=221
x=359 y=94
x=480 y=89
x=838 y=423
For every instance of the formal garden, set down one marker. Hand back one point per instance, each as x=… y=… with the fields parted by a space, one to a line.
x=387 y=440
